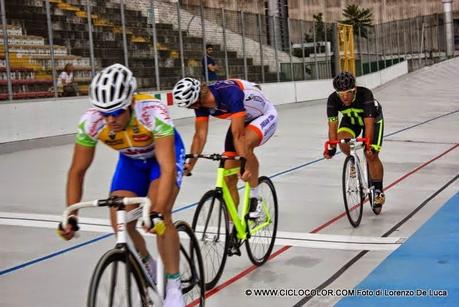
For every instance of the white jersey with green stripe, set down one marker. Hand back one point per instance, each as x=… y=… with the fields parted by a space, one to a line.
x=150 y=120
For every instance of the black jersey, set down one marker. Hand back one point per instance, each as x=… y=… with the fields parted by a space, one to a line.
x=364 y=105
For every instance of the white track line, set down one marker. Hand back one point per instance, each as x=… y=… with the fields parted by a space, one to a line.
x=309 y=240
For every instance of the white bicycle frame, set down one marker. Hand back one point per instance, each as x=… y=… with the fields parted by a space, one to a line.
x=355 y=145
x=122 y=236
x=361 y=164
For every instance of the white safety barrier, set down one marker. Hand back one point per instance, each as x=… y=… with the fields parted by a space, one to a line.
x=33 y=119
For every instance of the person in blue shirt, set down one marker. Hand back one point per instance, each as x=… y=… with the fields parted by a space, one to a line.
x=212 y=67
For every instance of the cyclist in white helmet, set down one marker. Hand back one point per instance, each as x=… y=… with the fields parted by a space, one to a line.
x=253 y=121
x=151 y=158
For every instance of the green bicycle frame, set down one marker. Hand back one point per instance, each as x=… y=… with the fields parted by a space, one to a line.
x=239 y=221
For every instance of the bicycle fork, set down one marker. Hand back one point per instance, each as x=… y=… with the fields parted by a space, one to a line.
x=124 y=242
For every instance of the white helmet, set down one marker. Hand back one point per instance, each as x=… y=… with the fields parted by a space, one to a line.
x=112 y=88
x=186 y=92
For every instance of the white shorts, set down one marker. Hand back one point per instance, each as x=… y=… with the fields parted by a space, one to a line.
x=265 y=126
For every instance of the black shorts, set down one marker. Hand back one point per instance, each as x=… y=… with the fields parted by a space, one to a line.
x=230 y=149
x=355 y=129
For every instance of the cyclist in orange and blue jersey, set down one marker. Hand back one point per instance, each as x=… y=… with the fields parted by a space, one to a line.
x=361 y=113
x=151 y=159
x=253 y=122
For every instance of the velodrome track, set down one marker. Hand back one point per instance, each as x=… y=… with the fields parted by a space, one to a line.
x=316 y=246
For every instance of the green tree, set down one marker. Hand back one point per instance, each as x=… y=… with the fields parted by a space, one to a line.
x=359 y=18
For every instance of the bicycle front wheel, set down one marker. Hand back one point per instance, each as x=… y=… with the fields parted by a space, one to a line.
x=263 y=230
x=191 y=266
x=117 y=282
x=352 y=191
x=211 y=226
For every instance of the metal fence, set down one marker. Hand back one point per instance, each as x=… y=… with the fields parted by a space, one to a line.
x=163 y=41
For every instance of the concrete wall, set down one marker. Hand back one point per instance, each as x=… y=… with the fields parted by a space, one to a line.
x=38 y=119
x=383 y=10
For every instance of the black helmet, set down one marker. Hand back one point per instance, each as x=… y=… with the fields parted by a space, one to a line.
x=344 y=81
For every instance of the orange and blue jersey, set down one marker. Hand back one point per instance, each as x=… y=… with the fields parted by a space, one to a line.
x=235 y=98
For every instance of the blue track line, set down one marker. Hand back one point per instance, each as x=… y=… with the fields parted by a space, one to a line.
x=29 y=263
x=188 y=206
x=425 y=122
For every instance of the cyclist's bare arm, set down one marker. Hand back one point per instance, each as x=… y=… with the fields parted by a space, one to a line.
x=332 y=135
x=165 y=155
x=199 y=141
x=82 y=159
x=333 y=130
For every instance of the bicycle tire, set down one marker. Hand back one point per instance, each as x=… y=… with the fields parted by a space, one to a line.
x=266 y=236
x=117 y=257
x=350 y=189
x=192 y=274
x=212 y=240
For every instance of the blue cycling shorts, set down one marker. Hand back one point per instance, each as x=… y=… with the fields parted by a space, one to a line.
x=135 y=175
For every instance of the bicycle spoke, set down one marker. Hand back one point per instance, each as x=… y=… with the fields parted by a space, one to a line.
x=263 y=229
x=211 y=219
x=352 y=190
x=115 y=284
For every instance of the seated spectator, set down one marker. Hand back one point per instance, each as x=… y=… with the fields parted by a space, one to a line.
x=170 y=61
x=65 y=82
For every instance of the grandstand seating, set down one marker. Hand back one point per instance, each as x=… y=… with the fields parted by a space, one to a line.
x=30 y=64
x=71 y=39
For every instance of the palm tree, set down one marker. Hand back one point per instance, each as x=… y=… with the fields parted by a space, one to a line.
x=359 y=18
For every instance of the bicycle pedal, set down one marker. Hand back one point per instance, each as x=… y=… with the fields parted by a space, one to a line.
x=377 y=208
x=233 y=246
x=234 y=251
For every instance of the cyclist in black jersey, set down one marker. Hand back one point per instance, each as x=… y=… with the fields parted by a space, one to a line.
x=360 y=113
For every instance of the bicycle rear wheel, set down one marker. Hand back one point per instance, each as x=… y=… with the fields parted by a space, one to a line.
x=371 y=194
x=263 y=230
x=211 y=226
x=191 y=266
x=117 y=282
x=352 y=191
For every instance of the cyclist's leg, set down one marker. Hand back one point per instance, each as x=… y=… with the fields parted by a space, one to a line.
x=375 y=165
x=258 y=132
x=230 y=151
x=130 y=180
x=169 y=244
x=347 y=130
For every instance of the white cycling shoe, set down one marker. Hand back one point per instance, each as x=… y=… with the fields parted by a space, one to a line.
x=174 y=298
x=255 y=208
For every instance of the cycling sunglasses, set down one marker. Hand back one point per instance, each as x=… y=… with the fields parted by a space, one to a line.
x=342 y=93
x=114 y=113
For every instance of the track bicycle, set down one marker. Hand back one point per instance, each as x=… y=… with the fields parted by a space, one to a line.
x=356 y=181
x=211 y=222
x=121 y=279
